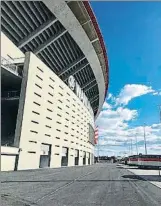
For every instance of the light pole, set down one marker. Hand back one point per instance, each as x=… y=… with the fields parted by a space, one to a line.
x=136 y=143
x=145 y=140
x=131 y=147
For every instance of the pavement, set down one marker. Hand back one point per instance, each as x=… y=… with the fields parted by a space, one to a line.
x=150 y=175
x=102 y=184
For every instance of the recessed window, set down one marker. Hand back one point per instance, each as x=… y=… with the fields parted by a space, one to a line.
x=73 y=117
x=49 y=110
x=35 y=112
x=32 y=141
x=67 y=106
x=60 y=94
x=73 y=105
x=68 y=100
x=34 y=122
x=66 y=126
x=40 y=69
x=52 y=79
x=50 y=102
x=48 y=135
x=37 y=103
x=65 y=140
x=38 y=86
x=51 y=86
x=66 y=132
x=61 y=87
x=66 y=119
x=59 y=115
x=37 y=94
x=57 y=137
x=32 y=152
x=34 y=131
x=60 y=101
x=60 y=108
x=72 y=129
x=67 y=112
x=47 y=126
x=72 y=135
x=73 y=111
x=49 y=118
x=58 y=122
x=56 y=154
x=39 y=77
x=58 y=130
x=57 y=146
x=68 y=94
x=50 y=94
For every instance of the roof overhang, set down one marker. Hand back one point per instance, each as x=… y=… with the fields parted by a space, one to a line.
x=63 y=13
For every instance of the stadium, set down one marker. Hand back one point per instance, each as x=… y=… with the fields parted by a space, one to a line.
x=54 y=79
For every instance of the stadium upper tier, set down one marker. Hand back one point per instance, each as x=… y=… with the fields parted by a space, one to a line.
x=66 y=37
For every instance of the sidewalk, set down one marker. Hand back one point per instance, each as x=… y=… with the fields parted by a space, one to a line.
x=150 y=175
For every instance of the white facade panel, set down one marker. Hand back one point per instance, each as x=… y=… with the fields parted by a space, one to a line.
x=52 y=115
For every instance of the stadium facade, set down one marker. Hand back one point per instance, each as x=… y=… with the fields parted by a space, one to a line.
x=54 y=80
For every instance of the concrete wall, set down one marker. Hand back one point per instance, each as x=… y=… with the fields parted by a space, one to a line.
x=8 y=158
x=49 y=113
x=8 y=49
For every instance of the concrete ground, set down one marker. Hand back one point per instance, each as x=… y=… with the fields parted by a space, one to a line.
x=102 y=184
x=151 y=175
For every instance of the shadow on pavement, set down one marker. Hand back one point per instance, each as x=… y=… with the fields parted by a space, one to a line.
x=67 y=181
x=144 y=177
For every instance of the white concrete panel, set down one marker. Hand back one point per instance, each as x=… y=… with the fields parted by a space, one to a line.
x=7 y=162
x=53 y=123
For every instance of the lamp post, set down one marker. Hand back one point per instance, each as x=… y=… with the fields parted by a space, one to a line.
x=145 y=140
x=136 y=143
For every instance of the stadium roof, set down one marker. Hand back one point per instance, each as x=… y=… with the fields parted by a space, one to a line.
x=66 y=37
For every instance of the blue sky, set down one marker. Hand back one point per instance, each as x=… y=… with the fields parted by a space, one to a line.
x=132 y=36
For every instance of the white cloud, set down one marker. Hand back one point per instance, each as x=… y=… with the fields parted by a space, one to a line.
x=157 y=93
x=131 y=91
x=109 y=96
x=106 y=106
x=115 y=118
x=115 y=133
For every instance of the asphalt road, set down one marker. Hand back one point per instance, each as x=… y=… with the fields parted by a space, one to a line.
x=97 y=185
